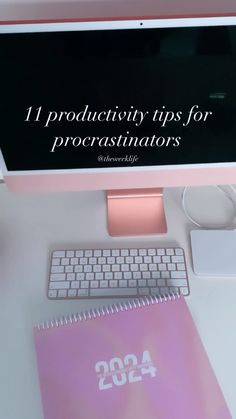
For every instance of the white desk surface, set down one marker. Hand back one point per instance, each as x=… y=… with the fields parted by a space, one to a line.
x=32 y=224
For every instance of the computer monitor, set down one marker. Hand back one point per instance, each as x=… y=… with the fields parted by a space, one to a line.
x=128 y=107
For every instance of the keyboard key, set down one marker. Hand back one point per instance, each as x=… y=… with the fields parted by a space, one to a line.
x=178 y=274
x=88 y=253
x=144 y=291
x=176 y=282
x=132 y=283
x=97 y=253
x=52 y=293
x=70 y=277
x=174 y=290
x=84 y=284
x=69 y=268
x=65 y=261
x=113 y=283
x=151 y=252
x=104 y=284
x=155 y=291
x=59 y=254
x=72 y=293
x=108 y=275
x=57 y=269
x=79 y=253
x=70 y=253
x=78 y=268
x=89 y=276
x=59 y=285
x=171 y=267
x=165 y=274
x=156 y=275
x=94 y=284
x=181 y=267
x=142 y=252
x=106 y=253
x=179 y=251
x=115 y=252
x=62 y=293
x=161 y=282
x=80 y=277
x=162 y=267
x=55 y=261
x=146 y=275
x=111 y=292
x=57 y=277
x=137 y=275
x=165 y=259
x=164 y=290
x=75 y=284
x=83 y=293
x=74 y=261
x=92 y=261
x=152 y=282
x=97 y=268
x=115 y=268
x=176 y=259
x=83 y=261
x=142 y=282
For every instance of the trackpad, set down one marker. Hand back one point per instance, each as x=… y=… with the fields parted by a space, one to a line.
x=214 y=252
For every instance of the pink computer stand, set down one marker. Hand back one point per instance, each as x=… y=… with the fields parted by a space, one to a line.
x=135 y=212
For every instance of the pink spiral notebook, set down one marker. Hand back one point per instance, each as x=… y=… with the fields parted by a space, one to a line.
x=133 y=360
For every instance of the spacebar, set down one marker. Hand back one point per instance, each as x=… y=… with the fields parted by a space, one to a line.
x=109 y=292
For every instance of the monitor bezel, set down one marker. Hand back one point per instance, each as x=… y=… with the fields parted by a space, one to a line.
x=110 y=178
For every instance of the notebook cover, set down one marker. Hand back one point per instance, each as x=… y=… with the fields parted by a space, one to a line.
x=134 y=363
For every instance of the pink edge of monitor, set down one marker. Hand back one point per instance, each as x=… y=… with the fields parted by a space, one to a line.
x=173 y=177
x=49 y=11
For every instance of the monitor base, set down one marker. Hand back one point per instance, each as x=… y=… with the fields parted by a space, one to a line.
x=135 y=212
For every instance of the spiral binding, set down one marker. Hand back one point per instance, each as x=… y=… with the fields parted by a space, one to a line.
x=107 y=310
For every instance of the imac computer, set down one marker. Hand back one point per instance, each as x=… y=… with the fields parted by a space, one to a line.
x=128 y=107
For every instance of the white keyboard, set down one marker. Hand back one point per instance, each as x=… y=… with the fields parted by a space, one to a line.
x=116 y=273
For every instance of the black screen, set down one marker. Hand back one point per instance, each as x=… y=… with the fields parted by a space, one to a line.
x=117 y=98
